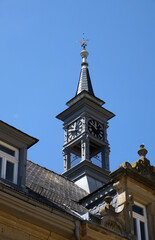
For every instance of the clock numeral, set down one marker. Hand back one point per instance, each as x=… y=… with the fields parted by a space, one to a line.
x=101 y=135
x=79 y=123
x=90 y=129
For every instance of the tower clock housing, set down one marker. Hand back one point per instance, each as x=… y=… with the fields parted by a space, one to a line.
x=86 y=148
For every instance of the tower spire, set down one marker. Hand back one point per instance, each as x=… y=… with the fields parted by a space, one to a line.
x=84 y=83
x=86 y=148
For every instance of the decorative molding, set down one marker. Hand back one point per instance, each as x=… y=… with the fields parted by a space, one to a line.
x=144 y=168
x=112 y=223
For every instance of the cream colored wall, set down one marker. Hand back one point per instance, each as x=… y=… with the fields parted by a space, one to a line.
x=13 y=228
x=130 y=191
x=22 y=218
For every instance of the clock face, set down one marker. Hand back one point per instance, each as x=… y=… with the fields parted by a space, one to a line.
x=74 y=129
x=96 y=129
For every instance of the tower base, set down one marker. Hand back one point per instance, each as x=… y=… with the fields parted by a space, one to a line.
x=88 y=176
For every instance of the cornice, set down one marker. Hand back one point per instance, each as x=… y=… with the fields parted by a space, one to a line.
x=128 y=171
x=83 y=105
x=93 y=231
x=24 y=207
x=16 y=137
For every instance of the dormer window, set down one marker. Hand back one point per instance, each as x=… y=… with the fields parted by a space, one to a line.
x=8 y=162
x=140 y=221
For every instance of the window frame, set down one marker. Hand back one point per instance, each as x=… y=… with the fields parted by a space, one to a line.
x=140 y=218
x=13 y=159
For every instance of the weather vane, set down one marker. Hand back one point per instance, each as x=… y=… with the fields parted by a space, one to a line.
x=83 y=42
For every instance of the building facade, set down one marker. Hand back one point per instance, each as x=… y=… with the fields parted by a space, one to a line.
x=87 y=201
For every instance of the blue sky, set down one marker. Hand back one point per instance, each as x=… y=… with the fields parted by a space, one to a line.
x=40 y=66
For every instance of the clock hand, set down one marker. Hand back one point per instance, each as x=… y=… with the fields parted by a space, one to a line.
x=71 y=130
x=93 y=125
x=75 y=126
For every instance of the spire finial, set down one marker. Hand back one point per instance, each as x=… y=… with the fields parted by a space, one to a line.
x=83 y=42
x=84 y=53
x=84 y=81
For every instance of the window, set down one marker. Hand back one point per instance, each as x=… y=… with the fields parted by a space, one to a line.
x=8 y=162
x=140 y=221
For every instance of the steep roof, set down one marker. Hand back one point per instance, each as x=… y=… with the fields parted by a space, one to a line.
x=55 y=188
x=84 y=83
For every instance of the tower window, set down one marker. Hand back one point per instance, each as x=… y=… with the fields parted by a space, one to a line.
x=8 y=162
x=140 y=221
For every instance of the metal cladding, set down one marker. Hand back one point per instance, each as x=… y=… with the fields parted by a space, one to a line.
x=84 y=82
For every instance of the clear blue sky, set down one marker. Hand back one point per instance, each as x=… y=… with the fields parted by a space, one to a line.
x=40 y=66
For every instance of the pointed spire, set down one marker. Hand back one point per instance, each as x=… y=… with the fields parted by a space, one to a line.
x=84 y=80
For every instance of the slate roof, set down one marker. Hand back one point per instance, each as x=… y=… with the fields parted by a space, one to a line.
x=95 y=200
x=84 y=83
x=54 y=188
x=95 y=209
x=59 y=192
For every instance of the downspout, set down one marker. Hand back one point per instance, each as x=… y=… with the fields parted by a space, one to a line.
x=77 y=230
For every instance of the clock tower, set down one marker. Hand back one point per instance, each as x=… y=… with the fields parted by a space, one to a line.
x=86 y=148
